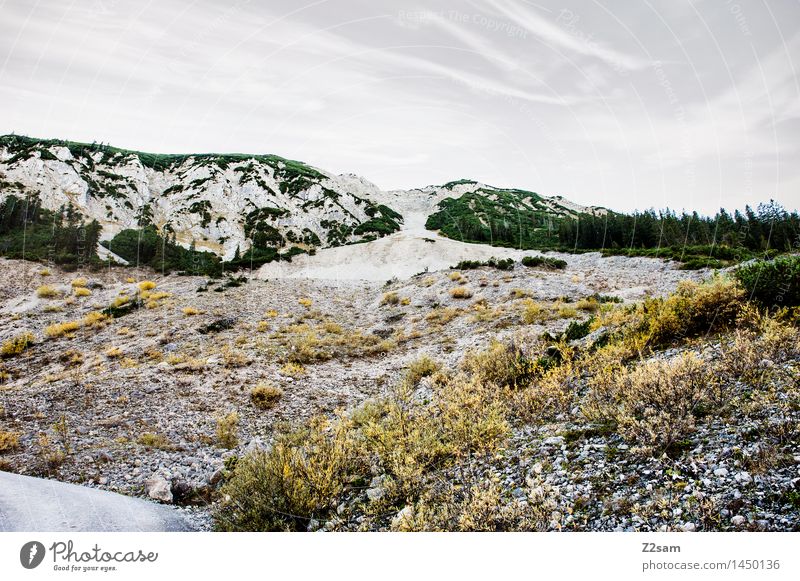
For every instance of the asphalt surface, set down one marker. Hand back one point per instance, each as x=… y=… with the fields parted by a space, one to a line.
x=40 y=505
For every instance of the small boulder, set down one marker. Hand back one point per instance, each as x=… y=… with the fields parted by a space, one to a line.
x=158 y=488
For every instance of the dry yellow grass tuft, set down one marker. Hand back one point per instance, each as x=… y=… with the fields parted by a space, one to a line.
x=567 y=312
x=442 y=315
x=146 y=285
x=306 y=302
x=16 y=345
x=82 y=292
x=591 y=304
x=190 y=311
x=265 y=395
x=62 y=329
x=534 y=313
x=228 y=430
x=95 y=319
x=9 y=441
x=154 y=440
x=390 y=298
x=113 y=352
x=120 y=301
x=293 y=370
x=455 y=276
x=419 y=368
x=461 y=292
x=79 y=283
x=47 y=292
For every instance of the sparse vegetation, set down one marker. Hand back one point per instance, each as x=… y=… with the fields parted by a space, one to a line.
x=154 y=440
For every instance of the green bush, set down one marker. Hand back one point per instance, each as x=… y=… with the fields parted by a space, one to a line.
x=500 y=264
x=773 y=283
x=545 y=262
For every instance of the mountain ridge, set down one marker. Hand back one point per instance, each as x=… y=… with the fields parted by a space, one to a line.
x=230 y=203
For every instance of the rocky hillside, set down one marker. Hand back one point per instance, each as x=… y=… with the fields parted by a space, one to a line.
x=225 y=202
x=221 y=202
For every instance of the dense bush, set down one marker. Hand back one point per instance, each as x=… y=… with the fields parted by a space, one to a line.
x=772 y=282
x=694 y=309
x=545 y=262
x=500 y=264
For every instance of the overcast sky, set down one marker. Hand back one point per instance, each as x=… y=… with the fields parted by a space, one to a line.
x=686 y=104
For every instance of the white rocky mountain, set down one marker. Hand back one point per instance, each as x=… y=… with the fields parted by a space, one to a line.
x=221 y=202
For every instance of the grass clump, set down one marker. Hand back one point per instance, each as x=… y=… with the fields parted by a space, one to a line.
x=461 y=292
x=16 y=345
x=442 y=315
x=79 y=283
x=534 y=312
x=390 y=298
x=265 y=395
x=227 y=432
x=113 y=352
x=66 y=328
x=154 y=440
x=94 y=319
x=283 y=488
x=424 y=366
x=47 y=292
x=292 y=369
x=9 y=441
x=82 y=292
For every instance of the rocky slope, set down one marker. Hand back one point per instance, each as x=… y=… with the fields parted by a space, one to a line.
x=160 y=401
x=222 y=202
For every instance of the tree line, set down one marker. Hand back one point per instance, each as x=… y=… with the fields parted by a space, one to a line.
x=769 y=227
